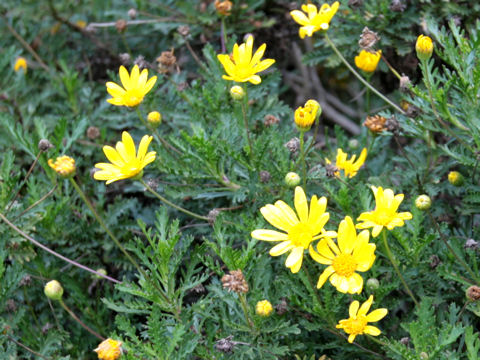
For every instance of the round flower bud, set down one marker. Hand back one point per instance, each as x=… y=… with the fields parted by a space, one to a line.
x=423 y=202
x=64 y=166
x=423 y=355
x=44 y=145
x=132 y=13
x=353 y=144
x=306 y=116
x=109 y=349
x=424 y=47
x=237 y=92
x=292 y=179
x=455 y=178
x=101 y=271
x=53 y=290
x=154 y=118
x=372 y=284
x=264 y=308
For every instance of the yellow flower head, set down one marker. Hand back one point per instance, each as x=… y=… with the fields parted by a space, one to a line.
x=20 y=63
x=135 y=87
x=264 y=308
x=424 y=47
x=64 y=166
x=368 y=61
x=125 y=163
x=299 y=231
x=242 y=66
x=81 y=24
x=109 y=349
x=154 y=118
x=306 y=116
x=353 y=253
x=357 y=323
x=316 y=19
x=385 y=213
x=349 y=167
x=223 y=7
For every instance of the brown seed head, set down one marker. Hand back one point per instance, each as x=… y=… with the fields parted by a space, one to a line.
x=270 y=120
x=225 y=345
x=471 y=244
x=473 y=293
x=184 y=30
x=93 y=132
x=212 y=216
x=331 y=170
x=375 y=123
x=223 y=7
x=355 y=3
x=392 y=124
x=281 y=308
x=125 y=58
x=235 y=281
x=434 y=261
x=293 y=144
x=132 y=13
x=265 y=176
x=398 y=6
x=166 y=61
x=121 y=25
x=368 y=39
x=44 y=145
x=141 y=62
x=405 y=83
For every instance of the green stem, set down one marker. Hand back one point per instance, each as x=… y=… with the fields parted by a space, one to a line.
x=75 y=317
x=302 y=157
x=458 y=258
x=354 y=72
x=124 y=41
x=161 y=198
x=392 y=69
x=395 y=266
x=367 y=96
x=245 y=120
x=243 y=303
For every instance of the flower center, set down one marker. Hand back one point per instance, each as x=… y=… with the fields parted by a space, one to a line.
x=383 y=218
x=132 y=98
x=355 y=326
x=301 y=235
x=344 y=265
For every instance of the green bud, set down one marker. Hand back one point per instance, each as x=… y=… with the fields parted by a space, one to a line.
x=237 y=92
x=101 y=271
x=292 y=179
x=423 y=355
x=423 y=202
x=353 y=144
x=53 y=290
x=455 y=178
x=372 y=284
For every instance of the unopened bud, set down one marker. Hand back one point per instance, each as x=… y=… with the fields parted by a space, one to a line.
x=424 y=47
x=292 y=179
x=44 y=145
x=100 y=271
x=372 y=284
x=121 y=25
x=154 y=118
x=423 y=202
x=423 y=355
x=264 y=308
x=237 y=92
x=132 y=13
x=455 y=178
x=53 y=290
x=93 y=132
x=353 y=144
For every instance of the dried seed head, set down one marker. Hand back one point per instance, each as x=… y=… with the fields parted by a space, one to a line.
x=125 y=58
x=375 y=123
x=184 y=30
x=293 y=144
x=270 y=120
x=405 y=83
x=26 y=280
x=434 y=261
x=473 y=293
x=93 y=132
x=405 y=340
x=44 y=145
x=282 y=307
x=392 y=124
x=132 y=13
x=46 y=327
x=398 y=6
x=265 y=176
x=212 y=216
x=225 y=345
x=199 y=289
x=166 y=61
x=471 y=244
x=331 y=170
x=368 y=39
x=141 y=62
x=121 y=25
x=223 y=7
x=235 y=281
x=354 y=3
x=153 y=183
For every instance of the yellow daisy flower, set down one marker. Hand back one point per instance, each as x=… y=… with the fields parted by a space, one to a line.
x=357 y=323
x=20 y=63
x=349 y=167
x=368 y=61
x=135 y=87
x=64 y=166
x=109 y=349
x=125 y=162
x=385 y=213
x=316 y=20
x=299 y=231
x=241 y=66
x=353 y=253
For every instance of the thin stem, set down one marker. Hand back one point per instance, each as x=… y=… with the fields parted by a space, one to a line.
x=245 y=120
x=367 y=96
x=354 y=72
x=124 y=41
x=75 y=317
x=243 y=302
x=392 y=69
x=223 y=35
x=74 y=263
x=24 y=181
x=302 y=157
x=395 y=266
x=37 y=202
x=18 y=343
x=161 y=198
x=458 y=258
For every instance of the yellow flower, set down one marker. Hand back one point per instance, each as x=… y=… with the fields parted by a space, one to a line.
x=349 y=167
x=306 y=116
x=353 y=253
x=242 y=66
x=299 y=231
x=385 y=213
x=368 y=61
x=424 y=47
x=125 y=163
x=20 y=63
x=264 y=308
x=109 y=349
x=135 y=87
x=316 y=20
x=81 y=24
x=154 y=118
x=357 y=323
x=63 y=166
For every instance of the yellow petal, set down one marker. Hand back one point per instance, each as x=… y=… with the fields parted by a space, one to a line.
x=295 y=259
x=287 y=212
x=142 y=79
x=301 y=204
x=143 y=146
x=324 y=276
x=377 y=229
x=324 y=250
x=364 y=256
x=377 y=315
x=113 y=156
x=351 y=338
x=268 y=235
x=372 y=330
x=149 y=85
x=347 y=235
x=129 y=145
x=366 y=306
x=264 y=65
x=299 y=17
x=134 y=75
x=258 y=55
x=318 y=258
x=281 y=248
x=276 y=217
x=352 y=310
x=355 y=284
x=124 y=77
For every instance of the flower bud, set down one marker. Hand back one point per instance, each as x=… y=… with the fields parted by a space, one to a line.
x=109 y=349
x=154 y=118
x=353 y=144
x=264 y=308
x=20 y=63
x=423 y=355
x=44 y=145
x=423 y=202
x=372 y=284
x=100 y=271
x=455 y=178
x=64 y=166
x=306 y=116
x=424 y=47
x=53 y=290
x=292 y=179
x=237 y=92
x=132 y=13
x=473 y=293
x=368 y=61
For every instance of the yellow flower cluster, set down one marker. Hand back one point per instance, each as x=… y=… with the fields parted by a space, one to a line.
x=306 y=116
x=313 y=19
x=368 y=61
